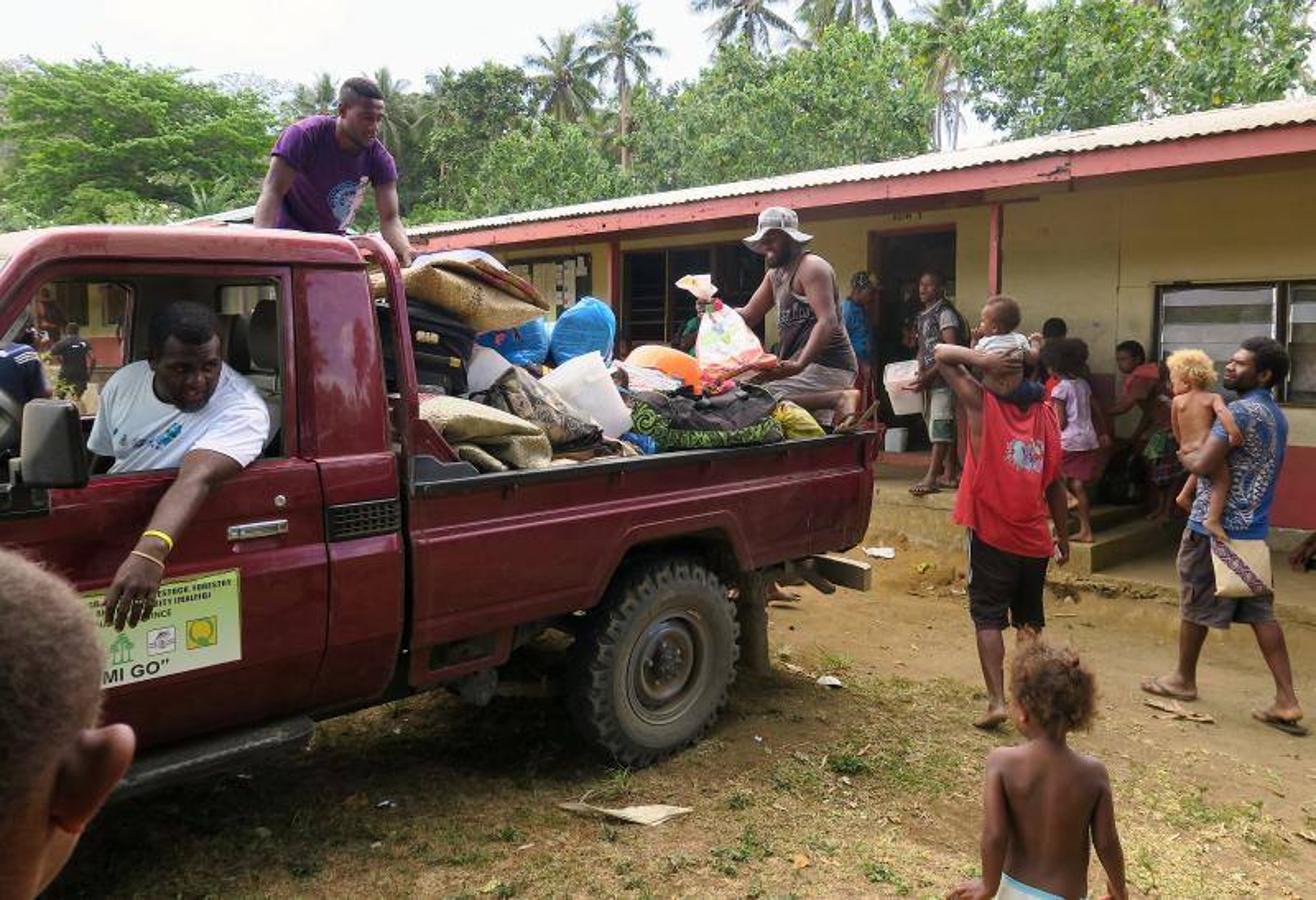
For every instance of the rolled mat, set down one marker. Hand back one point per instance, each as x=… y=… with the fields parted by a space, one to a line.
x=482 y=297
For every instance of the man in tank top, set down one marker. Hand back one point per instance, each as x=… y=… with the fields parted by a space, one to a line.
x=817 y=366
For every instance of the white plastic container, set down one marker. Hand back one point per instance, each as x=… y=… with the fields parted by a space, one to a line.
x=487 y=366
x=895 y=376
x=897 y=440
x=584 y=382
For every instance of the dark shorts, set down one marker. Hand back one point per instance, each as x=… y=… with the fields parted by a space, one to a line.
x=1197 y=600
x=1004 y=588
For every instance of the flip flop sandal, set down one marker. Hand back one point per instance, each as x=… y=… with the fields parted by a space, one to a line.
x=1288 y=726
x=922 y=490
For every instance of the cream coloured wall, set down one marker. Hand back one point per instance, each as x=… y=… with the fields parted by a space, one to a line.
x=599 y=270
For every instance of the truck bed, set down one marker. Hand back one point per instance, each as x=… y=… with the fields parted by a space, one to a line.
x=491 y=551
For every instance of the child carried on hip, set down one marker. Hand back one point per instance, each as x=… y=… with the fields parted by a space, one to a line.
x=1194 y=411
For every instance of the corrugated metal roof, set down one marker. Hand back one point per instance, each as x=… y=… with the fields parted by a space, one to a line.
x=1170 y=128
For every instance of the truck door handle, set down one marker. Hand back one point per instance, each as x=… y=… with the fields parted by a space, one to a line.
x=249 y=531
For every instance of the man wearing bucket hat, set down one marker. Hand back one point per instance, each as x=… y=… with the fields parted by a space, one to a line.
x=817 y=365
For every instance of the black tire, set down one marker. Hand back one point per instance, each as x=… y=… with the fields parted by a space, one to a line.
x=653 y=667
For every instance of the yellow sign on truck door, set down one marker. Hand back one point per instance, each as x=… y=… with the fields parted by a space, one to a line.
x=196 y=623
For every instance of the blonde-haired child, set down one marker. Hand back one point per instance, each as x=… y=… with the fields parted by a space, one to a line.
x=1194 y=410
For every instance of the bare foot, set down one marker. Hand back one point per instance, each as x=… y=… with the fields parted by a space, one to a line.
x=1217 y=530
x=1083 y=536
x=777 y=595
x=1171 y=686
x=995 y=717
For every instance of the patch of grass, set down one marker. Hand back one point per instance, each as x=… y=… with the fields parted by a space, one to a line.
x=609 y=833
x=834 y=663
x=616 y=784
x=793 y=776
x=880 y=873
x=821 y=845
x=740 y=800
x=749 y=848
x=848 y=763
x=508 y=834
x=676 y=862
x=925 y=768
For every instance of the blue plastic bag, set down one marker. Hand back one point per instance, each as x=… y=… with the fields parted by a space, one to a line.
x=588 y=326
x=526 y=345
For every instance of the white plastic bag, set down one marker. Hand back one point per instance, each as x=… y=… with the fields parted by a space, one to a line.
x=726 y=347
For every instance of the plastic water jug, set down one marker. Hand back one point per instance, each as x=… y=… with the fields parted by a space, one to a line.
x=584 y=382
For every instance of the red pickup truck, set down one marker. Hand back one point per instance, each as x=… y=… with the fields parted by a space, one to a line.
x=358 y=560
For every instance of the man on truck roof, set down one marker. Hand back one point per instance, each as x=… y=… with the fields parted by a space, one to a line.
x=182 y=406
x=817 y=366
x=320 y=166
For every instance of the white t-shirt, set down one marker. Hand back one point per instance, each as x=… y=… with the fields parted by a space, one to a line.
x=142 y=433
x=1003 y=343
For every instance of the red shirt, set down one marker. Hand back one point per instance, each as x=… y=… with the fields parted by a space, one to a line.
x=1002 y=495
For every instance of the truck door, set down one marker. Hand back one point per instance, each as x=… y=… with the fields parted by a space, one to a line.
x=243 y=635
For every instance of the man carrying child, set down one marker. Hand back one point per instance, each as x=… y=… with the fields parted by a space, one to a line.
x=1254 y=467
x=1011 y=493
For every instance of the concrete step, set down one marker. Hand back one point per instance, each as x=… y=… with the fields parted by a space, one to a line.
x=1104 y=517
x=1125 y=541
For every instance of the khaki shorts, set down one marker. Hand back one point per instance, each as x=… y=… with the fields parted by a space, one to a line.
x=939 y=414
x=1197 y=600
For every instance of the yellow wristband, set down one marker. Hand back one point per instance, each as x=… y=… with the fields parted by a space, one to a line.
x=147 y=556
x=162 y=538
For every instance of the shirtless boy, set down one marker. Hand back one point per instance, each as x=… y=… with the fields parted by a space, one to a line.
x=1195 y=408
x=1044 y=805
x=57 y=764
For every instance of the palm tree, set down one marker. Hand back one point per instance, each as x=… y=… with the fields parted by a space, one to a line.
x=818 y=15
x=320 y=97
x=622 y=48
x=754 y=21
x=944 y=27
x=561 y=73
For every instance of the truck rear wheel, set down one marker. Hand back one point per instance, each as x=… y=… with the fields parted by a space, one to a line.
x=654 y=667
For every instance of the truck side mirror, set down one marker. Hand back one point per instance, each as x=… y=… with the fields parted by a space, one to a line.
x=51 y=451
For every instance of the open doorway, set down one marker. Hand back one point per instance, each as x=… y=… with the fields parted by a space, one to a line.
x=899 y=259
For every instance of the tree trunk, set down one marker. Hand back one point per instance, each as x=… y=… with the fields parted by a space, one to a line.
x=624 y=127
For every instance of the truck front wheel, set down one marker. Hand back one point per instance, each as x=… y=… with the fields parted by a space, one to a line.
x=654 y=667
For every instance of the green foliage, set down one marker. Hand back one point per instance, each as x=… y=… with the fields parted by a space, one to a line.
x=753 y=22
x=856 y=97
x=549 y=163
x=1238 y=51
x=470 y=111
x=98 y=140
x=1069 y=65
x=1075 y=64
x=561 y=74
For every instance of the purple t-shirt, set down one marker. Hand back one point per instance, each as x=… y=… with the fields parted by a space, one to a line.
x=330 y=183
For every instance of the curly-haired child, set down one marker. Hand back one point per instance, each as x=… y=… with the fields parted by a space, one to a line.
x=1194 y=410
x=1044 y=804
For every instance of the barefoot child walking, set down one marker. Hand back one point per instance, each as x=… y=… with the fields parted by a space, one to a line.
x=1195 y=408
x=1044 y=805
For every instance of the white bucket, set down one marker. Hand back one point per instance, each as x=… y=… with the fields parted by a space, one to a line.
x=584 y=382
x=895 y=376
x=897 y=440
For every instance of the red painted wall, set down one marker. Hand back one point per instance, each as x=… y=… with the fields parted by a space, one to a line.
x=1295 y=499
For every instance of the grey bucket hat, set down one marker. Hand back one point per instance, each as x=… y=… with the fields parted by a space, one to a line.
x=777 y=218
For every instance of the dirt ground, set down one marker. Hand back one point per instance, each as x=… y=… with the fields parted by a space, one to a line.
x=800 y=790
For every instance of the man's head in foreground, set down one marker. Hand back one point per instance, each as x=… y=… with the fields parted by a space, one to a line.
x=56 y=767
